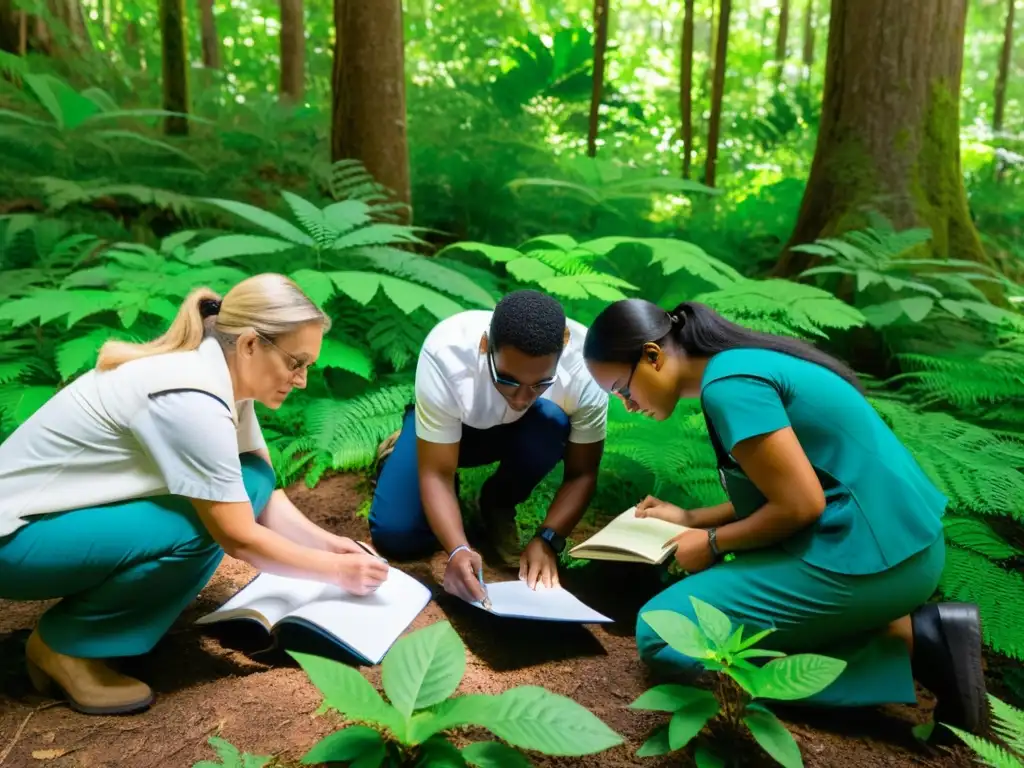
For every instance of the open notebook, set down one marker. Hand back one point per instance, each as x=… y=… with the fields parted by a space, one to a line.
x=365 y=625
x=632 y=539
x=515 y=599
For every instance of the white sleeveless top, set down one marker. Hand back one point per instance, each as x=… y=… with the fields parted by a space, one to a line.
x=166 y=424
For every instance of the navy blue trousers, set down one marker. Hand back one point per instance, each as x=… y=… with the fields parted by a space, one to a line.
x=527 y=450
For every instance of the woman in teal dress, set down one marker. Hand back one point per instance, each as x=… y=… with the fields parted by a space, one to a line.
x=837 y=530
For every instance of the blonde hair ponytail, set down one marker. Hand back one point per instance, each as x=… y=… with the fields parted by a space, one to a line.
x=186 y=333
x=269 y=304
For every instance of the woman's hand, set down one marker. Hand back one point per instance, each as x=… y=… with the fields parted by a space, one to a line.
x=360 y=573
x=693 y=552
x=343 y=545
x=662 y=510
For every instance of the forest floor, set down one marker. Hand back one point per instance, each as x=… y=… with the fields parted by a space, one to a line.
x=264 y=703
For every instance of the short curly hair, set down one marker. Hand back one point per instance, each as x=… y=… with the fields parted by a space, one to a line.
x=530 y=321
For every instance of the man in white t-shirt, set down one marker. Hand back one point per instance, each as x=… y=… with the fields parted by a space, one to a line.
x=507 y=386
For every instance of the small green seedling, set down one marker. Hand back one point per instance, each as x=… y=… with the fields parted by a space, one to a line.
x=231 y=757
x=420 y=674
x=722 y=649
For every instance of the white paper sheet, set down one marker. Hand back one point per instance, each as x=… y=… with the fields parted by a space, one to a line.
x=369 y=624
x=515 y=599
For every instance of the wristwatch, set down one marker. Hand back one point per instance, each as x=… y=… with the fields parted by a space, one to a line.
x=552 y=539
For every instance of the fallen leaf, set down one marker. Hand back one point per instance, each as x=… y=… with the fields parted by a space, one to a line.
x=48 y=754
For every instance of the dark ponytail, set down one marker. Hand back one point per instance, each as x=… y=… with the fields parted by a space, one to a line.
x=619 y=333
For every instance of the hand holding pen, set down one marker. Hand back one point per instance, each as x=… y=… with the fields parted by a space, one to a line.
x=463 y=576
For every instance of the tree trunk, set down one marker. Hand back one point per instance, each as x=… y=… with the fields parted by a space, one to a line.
x=209 y=36
x=10 y=28
x=889 y=136
x=686 y=87
x=600 y=45
x=368 y=114
x=175 y=63
x=1004 y=70
x=780 y=40
x=293 y=52
x=808 y=40
x=717 y=91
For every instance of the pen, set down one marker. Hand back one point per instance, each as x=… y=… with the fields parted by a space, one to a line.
x=486 y=602
x=369 y=551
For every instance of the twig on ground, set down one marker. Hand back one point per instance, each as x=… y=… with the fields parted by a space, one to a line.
x=21 y=728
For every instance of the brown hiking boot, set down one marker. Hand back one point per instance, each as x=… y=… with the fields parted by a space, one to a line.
x=502 y=533
x=89 y=685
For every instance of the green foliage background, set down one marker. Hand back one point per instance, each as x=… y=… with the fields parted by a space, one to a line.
x=105 y=225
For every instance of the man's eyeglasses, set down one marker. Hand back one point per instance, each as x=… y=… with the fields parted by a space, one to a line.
x=504 y=381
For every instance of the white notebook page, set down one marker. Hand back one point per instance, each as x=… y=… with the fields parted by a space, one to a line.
x=516 y=599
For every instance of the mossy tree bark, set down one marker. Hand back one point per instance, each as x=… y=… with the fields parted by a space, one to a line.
x=368 y=119
x=717 y=92
x=1004 y=69
x=889 y=136
x=293 y=52
x=175 y=65
x=686 y=87
x=600 y=46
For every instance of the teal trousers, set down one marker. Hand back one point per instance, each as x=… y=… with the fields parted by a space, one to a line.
x=123 y=572
x=812 y=611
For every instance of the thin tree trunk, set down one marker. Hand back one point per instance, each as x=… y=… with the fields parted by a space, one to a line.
x=10 y=25
x=889 y=136
x=368 y=117
x=293 y=52
x=717 y=92
x=133 y=51
x=709 y=73
x=209 y=36
x=781 y=39
x=1004 y=70
x=686 y=87
x=600 y=45
x=808 y=57
x=175 y=63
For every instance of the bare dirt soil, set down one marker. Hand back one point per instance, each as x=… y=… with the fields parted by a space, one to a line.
x=264 y=703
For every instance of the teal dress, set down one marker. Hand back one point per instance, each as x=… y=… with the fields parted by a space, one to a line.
x=875 y=554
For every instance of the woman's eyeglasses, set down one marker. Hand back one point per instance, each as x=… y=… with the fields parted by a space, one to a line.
x=294 y=364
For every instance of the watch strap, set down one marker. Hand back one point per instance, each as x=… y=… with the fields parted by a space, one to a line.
x=716 y=554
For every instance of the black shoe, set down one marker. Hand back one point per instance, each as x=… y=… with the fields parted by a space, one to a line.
x=947 y=661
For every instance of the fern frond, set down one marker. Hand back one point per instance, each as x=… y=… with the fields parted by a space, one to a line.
x=973 y=578
x=771 y=305
x=991 y=754
x=423 y=270
x=1008 y=723
x=397 y=339
x=61 y=194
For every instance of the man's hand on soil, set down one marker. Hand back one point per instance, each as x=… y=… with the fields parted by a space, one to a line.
x=538 y=565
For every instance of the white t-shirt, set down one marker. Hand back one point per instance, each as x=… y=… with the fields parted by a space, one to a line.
x=73 y=453
x=454 y=385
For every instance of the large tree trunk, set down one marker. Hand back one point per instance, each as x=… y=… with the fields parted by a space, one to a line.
x=293 y=52
x=686 y=87
x=808 y=57
x=717 y=92
x=600 y=45
x=889 y=136
x=368 y=117
x=209 y=36
x=1004 y=69
x=175 y=65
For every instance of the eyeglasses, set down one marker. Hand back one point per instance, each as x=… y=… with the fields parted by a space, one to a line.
x=504 y=381
x=294 y=364
x=623 y=391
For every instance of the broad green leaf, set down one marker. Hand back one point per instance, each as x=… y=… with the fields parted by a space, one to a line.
x=829 y=270
x=451 y=713
x=529 y=270
x=311 y=217
x=815 y=250
x=346 y=215
x=883 y=314
x=377 y=234
x=171 y=243
x=265 y=219
x=773 y=737
x=755 y=638
x=732 y=645
x=424 y=668
x=754 y=653
x=234 y=246
x=493 y=253
x=917 y=308
x=316 y=285
x=669 y=697
x=338 y=354
x=494 y=754
x=440 y=753
x=705 y=758
x=355 y=741
x=796 y=677
x=656 y=744
x=549 y=243
x=688 y=721
x=679 y=632
x=409 y=297
x=954 y=308
x=350 y=693
x=531 y=717
x=604 y=287
x=713 y=622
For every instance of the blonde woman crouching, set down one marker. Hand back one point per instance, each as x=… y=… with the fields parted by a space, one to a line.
x=122 y=493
